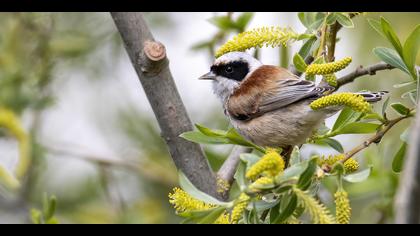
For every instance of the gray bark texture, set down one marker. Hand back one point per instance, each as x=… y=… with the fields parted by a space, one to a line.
x=407 y=205
x=152 y=66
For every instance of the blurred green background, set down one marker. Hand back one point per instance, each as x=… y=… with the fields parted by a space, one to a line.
x=96 y=144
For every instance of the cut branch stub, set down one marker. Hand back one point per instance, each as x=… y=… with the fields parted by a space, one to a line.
x=152 y=58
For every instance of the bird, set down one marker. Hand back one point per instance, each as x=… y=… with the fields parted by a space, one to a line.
x=268 y=105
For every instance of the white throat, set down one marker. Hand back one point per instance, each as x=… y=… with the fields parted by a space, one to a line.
x=224 y=87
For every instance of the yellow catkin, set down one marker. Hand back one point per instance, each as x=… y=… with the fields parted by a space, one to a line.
x=328 y=68
x=259 y=37
x=12 y=124
x=270 y=164
x=318 y=212
x=263 y=181
x=222 y=185
x=350 y=165
x=354 y=101
x=292 y=221
x=342 y=207
x=183 y=202
x=331 y=79
x=223 y=219
x=239 y=208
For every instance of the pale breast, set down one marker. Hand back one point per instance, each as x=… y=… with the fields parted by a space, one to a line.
x=290 y=125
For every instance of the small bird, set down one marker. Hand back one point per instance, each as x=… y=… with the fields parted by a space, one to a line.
x=269 y=105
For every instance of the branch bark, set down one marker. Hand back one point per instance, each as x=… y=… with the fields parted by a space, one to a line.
x=361 y=71
x=228 y=169
x=407 y=204
x=151 y=64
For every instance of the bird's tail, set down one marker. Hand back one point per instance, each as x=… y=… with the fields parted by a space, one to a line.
x=373 y=96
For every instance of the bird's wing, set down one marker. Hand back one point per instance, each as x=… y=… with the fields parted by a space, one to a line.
x=270 y=88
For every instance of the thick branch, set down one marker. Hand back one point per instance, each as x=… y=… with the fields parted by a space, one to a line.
x=149 y=60
x=361 y=71
x=407 y=205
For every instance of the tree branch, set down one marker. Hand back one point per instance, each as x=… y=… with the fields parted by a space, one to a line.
x=374 y=139
x=361 y=71
x=407 y=204
x=151 y=64
x=228 y=169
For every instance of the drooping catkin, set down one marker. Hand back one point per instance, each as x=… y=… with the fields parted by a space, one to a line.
x=259 y=37
x=352 y=100
x=328 y=68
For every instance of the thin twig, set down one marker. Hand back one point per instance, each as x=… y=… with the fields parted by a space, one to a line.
x=361 y=71
x=153 y=173
x=374 y=139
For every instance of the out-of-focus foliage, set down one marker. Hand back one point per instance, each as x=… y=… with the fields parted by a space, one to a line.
x=41 y=52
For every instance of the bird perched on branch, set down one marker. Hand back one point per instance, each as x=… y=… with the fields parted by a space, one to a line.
x=267 y=104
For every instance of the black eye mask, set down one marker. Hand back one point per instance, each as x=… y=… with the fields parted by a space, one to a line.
x=236 y=70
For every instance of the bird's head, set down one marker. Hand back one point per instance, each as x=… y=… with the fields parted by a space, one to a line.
x=229 y=70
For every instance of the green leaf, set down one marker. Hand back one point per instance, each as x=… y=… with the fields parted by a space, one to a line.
x=292 y=172
x=264 y=205
x=405 y=136
x=306 y=177
x=405 y=84
x=299 y=63
x=316 y=24
x=202 y=45
x=49 y=206
x=243 y=20
x=188 y=187
x=376 y=25
x=304 y=36
x=372 y=116
x=287 y=207
x=36 y=216
x=400 y=108
x=305 y=50
x=412 y=95
x=331 y=18
x=295 y=157
x=52 y=221
x=240 y=176
x=410 y=50
x=196 y=215
x=391 y=36
x=250 y=159
x=398 y=161
x=385 y=106
x=359 y=176
x=311 y=20
x=358 y=128
x=236 y=138
x=333 y=143
x=212 y=216
x=391 y=57
x=274 y=212
x=210 y=132
x=303 y=19
x=344 y=20
x=223 y=22
x=346 y=116
x=198 y=137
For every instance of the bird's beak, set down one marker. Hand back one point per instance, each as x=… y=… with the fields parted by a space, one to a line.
x=208 y=76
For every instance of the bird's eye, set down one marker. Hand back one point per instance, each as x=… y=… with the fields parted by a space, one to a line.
x=229 y=69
